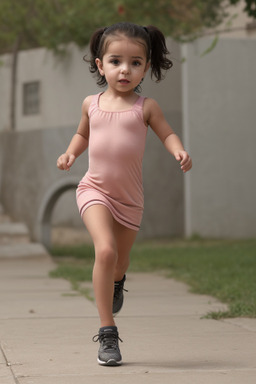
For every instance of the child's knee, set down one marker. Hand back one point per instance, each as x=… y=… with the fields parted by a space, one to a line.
x=107 y=256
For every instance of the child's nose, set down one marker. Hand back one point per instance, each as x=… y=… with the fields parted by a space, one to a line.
x=125 y=69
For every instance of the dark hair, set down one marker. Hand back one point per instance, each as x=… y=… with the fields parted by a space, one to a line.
x=153 y=38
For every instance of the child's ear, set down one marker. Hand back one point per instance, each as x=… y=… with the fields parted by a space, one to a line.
x=100 y=66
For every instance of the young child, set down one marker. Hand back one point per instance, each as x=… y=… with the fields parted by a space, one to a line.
x=113 y=126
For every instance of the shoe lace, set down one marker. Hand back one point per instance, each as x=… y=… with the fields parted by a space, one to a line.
x=108 y=339
x=118 y=288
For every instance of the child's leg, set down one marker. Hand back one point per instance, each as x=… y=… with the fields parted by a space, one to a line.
x=125 y=238
x=112 y=242
x=99 y=223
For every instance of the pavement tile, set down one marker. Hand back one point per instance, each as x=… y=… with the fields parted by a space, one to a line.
x=35 y=295
x=188 y=377
x=249 y=324
x=6 y=376
x=21 y=250
x=170 y=297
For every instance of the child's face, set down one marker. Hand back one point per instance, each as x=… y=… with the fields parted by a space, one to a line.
x=124 y=64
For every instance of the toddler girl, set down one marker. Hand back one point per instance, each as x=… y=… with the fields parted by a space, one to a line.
x=113 y=126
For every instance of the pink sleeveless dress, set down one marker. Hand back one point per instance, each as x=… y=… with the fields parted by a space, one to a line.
x=116 y=149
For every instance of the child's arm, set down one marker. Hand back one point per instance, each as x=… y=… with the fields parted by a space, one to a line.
x=79 y=142
x=155 y=118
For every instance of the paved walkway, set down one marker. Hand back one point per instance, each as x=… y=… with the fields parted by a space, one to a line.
x=46 y=329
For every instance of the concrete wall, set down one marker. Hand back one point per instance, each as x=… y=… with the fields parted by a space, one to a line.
x=64 y=84
x=219 y=93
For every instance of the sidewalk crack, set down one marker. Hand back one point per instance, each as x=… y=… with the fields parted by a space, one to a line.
x=8 y=364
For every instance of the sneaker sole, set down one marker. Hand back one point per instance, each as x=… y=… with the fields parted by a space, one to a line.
x=116 y=313
x=110 y=362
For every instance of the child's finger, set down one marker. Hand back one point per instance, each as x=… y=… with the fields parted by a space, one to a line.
x=177 y=157
x=187 y=166
x=71 y=160
x=184 y=158
x=62 y=162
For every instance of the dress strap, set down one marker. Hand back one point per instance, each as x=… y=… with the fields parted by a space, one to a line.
x=138 y=108
x=140 y=101
x=94 y=104
x=139 y=104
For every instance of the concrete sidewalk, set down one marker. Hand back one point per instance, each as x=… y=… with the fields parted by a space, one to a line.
x=46 y=332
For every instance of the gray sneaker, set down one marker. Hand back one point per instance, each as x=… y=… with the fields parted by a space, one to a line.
x=109 y=353
x=118 y=295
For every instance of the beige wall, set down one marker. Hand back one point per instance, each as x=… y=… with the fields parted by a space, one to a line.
x=64 y=84
x=219 y=93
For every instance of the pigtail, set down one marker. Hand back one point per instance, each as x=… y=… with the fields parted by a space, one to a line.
x=159 y=51
x=95 y=49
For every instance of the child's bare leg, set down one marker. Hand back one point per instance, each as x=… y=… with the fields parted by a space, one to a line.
x=112 y=242
x=125 y=238
x=99 y=223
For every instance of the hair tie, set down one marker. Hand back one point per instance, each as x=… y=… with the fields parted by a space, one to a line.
x=145 y=29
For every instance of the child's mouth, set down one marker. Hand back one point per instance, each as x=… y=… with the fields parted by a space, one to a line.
x=124 y=81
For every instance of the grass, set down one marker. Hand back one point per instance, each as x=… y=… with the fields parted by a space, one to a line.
x=222 y=269
x=75 y=264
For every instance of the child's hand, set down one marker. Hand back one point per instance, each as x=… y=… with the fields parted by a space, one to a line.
x=184 y=160
x=65 y=161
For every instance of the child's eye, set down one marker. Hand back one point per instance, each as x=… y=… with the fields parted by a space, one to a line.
x=114 y=61
x=137 y=63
